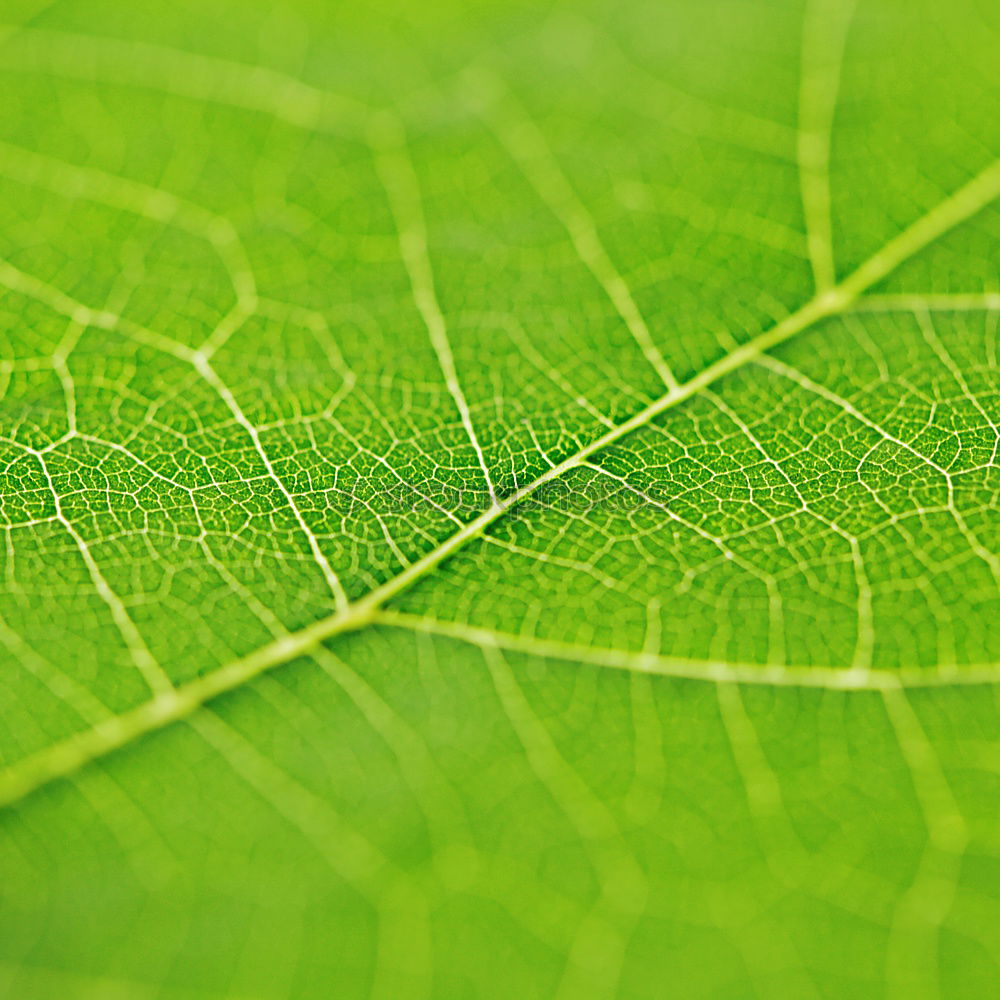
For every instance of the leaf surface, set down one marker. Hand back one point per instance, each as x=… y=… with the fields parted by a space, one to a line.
x=499 y=502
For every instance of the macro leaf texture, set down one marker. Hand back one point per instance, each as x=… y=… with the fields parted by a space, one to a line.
x=499 y=500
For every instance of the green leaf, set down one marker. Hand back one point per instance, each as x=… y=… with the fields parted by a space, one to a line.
x=499 y=502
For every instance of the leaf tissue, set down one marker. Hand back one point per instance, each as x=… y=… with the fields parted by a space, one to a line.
x=499 y=500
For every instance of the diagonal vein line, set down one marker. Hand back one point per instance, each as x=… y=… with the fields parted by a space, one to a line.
x=208 y=373
x=152 y=673
x=388 y=143
x=69 y=755
x=527 y=147
x=709 y=671
x=28 y=285
x=156 y=204
x=186 y=74
x=824 y=37
x=800 y=378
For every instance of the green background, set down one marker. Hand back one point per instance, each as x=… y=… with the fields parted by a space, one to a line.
x=499 y=500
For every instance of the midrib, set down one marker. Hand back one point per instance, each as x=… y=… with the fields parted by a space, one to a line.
x=69 y=755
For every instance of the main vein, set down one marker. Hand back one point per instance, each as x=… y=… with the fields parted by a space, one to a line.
x=67 y=756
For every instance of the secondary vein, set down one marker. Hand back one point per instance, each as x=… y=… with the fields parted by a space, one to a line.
x=67 y=756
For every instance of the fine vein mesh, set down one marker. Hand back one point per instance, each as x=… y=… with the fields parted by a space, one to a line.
x=498 y=502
